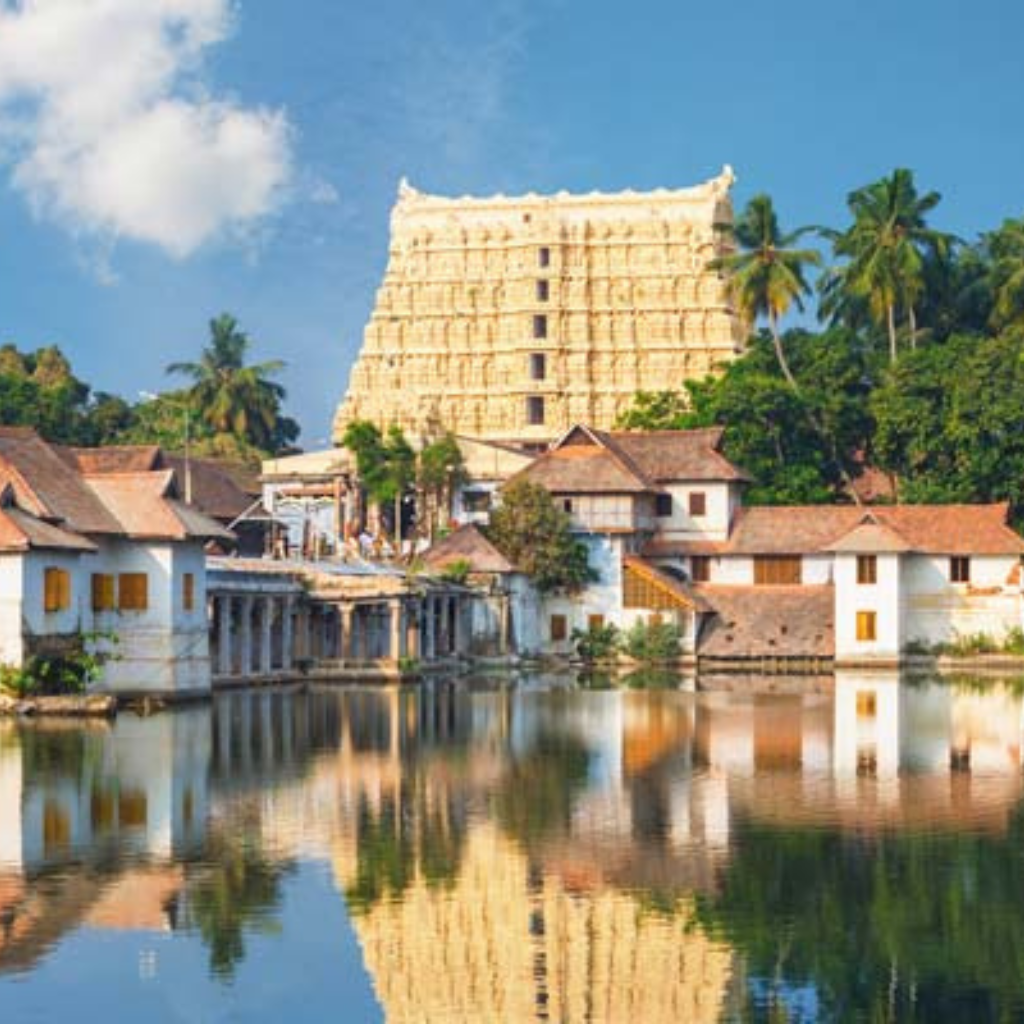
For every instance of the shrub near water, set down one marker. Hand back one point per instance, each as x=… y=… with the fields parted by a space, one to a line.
x=596 y=643
x=653 y=641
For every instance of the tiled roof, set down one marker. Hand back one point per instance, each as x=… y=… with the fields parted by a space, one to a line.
x=144 y=506
x=47 y=486
x=587 y=461
x=218 y=490
x=584 y=469
x=664 y=456
x=869 y=537
x=767 y=622
x=112 y=459
x=20 y=531
x=468 y=544
x=930 y=529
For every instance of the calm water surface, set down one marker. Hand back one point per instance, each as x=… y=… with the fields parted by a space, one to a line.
x=553 y=850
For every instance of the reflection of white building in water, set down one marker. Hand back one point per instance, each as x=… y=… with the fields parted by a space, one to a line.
x=68 y=795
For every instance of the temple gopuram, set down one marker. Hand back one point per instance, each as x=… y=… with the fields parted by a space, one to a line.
x=510 y=319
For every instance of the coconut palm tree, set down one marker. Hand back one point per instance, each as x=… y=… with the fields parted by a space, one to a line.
x=1004 y=249
x=230 y=397
x=885 y=250
x=766 y=275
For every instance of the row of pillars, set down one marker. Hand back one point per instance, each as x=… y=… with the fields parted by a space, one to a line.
x=259 y=635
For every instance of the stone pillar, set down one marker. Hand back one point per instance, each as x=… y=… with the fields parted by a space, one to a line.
x=503 y=623
x=412 y=630
x=430 y=638
x=245 y=635
x=224 y=637
x=457 y=630
x=348 y=648
x=266 y=624
x=395 y=622
x=287 y=633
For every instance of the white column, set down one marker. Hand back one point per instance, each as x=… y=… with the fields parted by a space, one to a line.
x=287 y=633
x=245 y=636
x=266 y=621
x=395 y=622
x=224 y=633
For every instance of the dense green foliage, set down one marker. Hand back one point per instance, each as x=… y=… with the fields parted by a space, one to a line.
x=596 y=642
x=234 y=409
x=535 y=536
x=652 y=641
x=918 y=372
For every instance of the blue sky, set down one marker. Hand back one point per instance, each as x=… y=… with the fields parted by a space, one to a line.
x=255 y=172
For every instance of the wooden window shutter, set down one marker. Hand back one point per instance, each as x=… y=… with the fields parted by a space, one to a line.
x=133 y=592
x=56 y=589
x=188 y=592
x=102 y=592
x=867 y=626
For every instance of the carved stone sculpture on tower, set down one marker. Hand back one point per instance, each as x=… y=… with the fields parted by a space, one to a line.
x=512 y=318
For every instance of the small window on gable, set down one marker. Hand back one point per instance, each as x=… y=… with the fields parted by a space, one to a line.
x=56 y=589
x=867 y=569
x=133 y=592
x=540 y=326
x=663 y=505
x=867 y=626
x=700 y=568
x=698 y=503
x=535 y=411
x=559 y=628
x=960 y=569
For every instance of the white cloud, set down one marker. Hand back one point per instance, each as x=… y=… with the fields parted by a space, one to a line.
x=113 y=132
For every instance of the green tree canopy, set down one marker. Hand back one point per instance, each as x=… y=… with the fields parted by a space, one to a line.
x=233 y=398
x=535 y=536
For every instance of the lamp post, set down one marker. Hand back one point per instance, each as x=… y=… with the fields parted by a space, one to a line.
x=149 y=396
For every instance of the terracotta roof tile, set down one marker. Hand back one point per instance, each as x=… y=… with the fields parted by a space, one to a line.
x=218 y=490
x=47 y=486
x=767 y=622
x=144 y=506
x=111 y=459
x=663 y=456
x=930 y=529
x=467 y=543
x=20 y=531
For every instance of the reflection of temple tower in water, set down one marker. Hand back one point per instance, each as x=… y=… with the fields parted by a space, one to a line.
x=507 y=942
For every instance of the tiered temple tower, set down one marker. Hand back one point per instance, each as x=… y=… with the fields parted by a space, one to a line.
x=510 y=319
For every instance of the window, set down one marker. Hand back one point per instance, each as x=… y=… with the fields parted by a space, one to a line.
x=540 y=326
x=867 y=626
x=867 y=569
x=544 y=256
x=56 y=589
x=538 y=366
x=698 y=504
x=559 y=628
x=776 y=570
x=188 y=592
x=103 y=589
x=535 y=411
x=133 y=592
x=663 y=505
x=543 y=291
x=567 y=505
x=960 y=569
x=476 y=501
x=595 y=622
x=867 y=704
x=700 y=568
